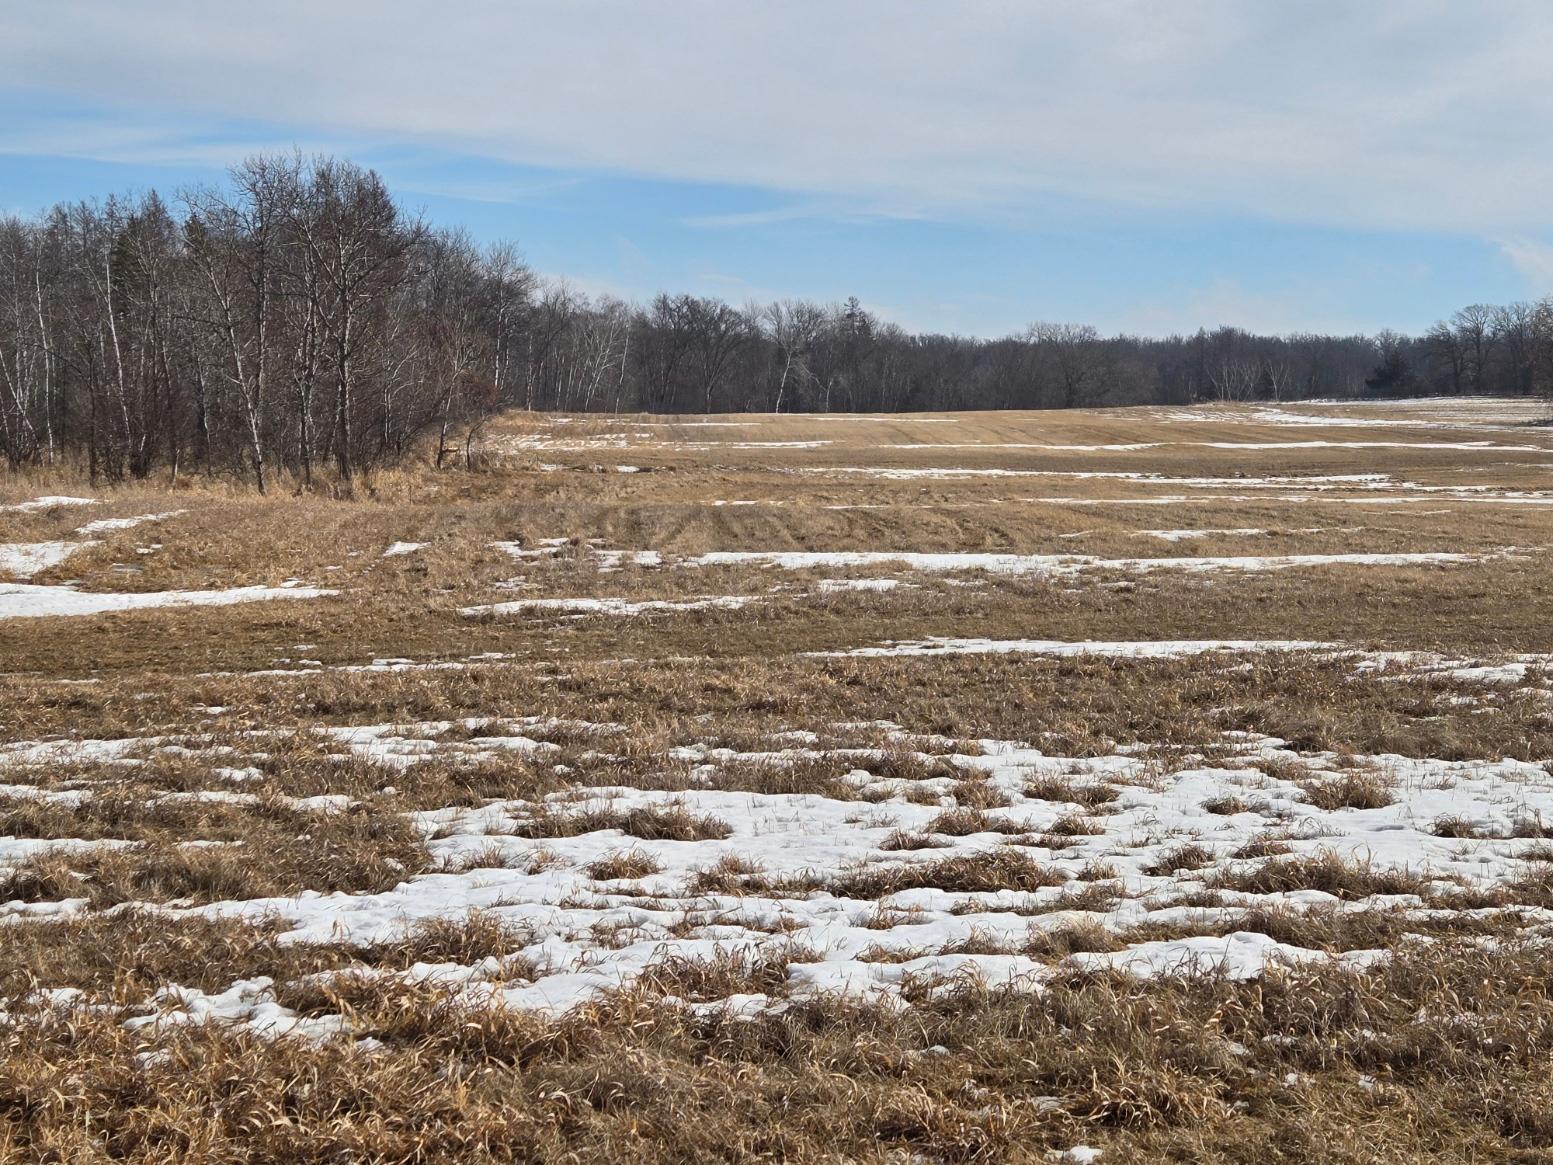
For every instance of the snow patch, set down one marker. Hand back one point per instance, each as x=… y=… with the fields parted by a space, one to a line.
x=46 y=503
x=623 y=607
x=25 y=559
x=1142 y=649
x=108 y=525
x=19 y=601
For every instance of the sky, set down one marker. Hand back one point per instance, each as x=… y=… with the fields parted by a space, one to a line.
x=969 y=166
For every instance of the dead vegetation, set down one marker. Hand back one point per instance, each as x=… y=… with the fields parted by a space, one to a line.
x=550 y=730
x=359 y=849
x=997 y=869
x=1324 y=870
x=1350 y=789
x=648 y=822
x=1282 y=1069
x=624 y=864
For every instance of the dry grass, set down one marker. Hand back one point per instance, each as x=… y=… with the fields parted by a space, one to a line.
x=1269 y=843
x=672 y=822
x=731 y=973
x=360 y=849
x=1226 y=806
x=1451 y=825
x=1190 y=856
x=999 y=869
x=1074 y=938
x=1074 y=825
x=964 y=822
x=902 y=839
x=1071 y=707
x=1326 y=871
x=1435 y=1055
x=1285 y=1069
x=624 y=864
x=1053 y=788
x=131 y=953
x=1351 y=789
x=730 y=874
x=128 y=954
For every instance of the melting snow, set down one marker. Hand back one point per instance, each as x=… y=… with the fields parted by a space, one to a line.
x=999 y=563
x=19 y=601
x=544 y=883
x=47 y=503
x=596 y=934
x=106 y=525
x=1183 y=535
x=612 y=606
x=1144 y=649
x=25 y=559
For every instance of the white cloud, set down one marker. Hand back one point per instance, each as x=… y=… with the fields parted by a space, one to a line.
x=1425 y=114
x=1534 y=260
x=829 y=211
x=1292 y=307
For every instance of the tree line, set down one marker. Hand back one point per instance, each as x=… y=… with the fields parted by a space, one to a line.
x=297 y=320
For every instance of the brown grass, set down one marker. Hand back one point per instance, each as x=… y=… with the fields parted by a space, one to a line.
x=1189 y=856
x=673 y=822
x=1325 y=871
x=999 y=869
x=1054 y=788
x=1195 y=1070
x=362 y=849
x=1351 y=789
x=1226 y=806
x=624 y=864
x=730 y=874
x=1437 y=1055
x=964 y=822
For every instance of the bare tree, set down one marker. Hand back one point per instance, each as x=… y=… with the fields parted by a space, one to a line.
x=357 y=240
x=714 y=334
x=1476 y=338
x=1542 y=349
x=235 y=240
x=510 y=288
x=792 y=328
x=1071 y=355
x=294 y=321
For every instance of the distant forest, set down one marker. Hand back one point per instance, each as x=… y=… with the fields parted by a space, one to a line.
x=297 y=320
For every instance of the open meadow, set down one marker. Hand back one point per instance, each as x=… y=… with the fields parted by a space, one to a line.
x=1128 y=785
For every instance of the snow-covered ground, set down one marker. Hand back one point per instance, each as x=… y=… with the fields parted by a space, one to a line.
x=918 y=859
x=1154 y=649
x=112 y=525
x=48 y=502
x=22 y=560
x=897 y=882
x=25 y=559
x=21 y=601
x=1000 y=563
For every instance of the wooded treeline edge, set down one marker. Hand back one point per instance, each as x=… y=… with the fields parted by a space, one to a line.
x=298 y=320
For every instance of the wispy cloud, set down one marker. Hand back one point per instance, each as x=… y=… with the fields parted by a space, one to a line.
x=856 y=215
x=1292 y=307
x=1423 y=115
x=1534 y=260
x=962 y=167
x=734 y=220
x=495 y=190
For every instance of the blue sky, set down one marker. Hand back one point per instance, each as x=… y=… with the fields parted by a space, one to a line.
x=967 y=168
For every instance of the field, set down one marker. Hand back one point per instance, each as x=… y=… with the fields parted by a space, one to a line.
x=1161 y=784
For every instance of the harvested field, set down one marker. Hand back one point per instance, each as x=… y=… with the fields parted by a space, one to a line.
x=1172 y=783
